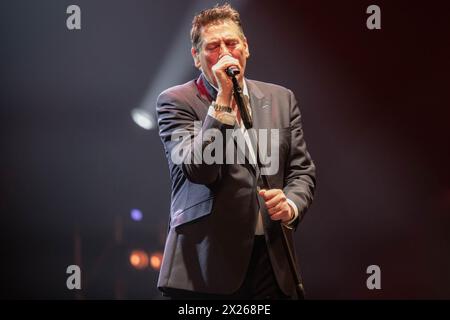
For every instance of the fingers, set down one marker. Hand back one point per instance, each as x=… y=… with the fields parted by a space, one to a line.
x=224 y=82
x=269 y=194
x=276 y=208
x=279 y=216
x=277 y=199
x=283 y=215
x=224 y=63
x=277 y=204
x=227 y=61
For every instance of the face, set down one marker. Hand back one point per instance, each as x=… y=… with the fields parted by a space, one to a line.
x=218 y=40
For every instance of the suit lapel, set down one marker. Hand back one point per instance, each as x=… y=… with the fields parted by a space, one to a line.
x=261 y=108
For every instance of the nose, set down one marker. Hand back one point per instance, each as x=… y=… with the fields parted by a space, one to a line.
x=224 y=51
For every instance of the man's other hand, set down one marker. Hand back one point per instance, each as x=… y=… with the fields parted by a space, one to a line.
x=277 y=204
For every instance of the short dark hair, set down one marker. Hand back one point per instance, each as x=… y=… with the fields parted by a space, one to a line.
x=213 y=15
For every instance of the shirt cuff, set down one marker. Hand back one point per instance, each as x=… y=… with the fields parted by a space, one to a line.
x=222 y=116
x=289 y=223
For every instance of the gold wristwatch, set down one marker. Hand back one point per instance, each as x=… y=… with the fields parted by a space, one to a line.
x=218 y=107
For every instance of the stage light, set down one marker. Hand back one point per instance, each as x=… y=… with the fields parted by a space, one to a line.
x=155 y=260
x=143 y=118
x=139 y=259
x=136 y=214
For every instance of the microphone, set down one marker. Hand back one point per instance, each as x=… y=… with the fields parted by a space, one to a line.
x=232 y=71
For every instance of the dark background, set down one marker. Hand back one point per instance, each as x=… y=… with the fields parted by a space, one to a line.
x=73 y=163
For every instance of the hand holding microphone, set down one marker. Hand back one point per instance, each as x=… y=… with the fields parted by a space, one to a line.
x=226 y=71
x=222 y=71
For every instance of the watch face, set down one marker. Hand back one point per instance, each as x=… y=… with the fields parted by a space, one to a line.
x=222 y=108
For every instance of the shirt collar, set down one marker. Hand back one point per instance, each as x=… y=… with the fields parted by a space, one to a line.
x=212 y=90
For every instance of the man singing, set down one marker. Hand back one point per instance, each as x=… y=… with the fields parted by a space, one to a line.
x=226 y=229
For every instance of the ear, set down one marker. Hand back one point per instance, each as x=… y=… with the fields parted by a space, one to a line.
x=195 y=56
x=246 y=49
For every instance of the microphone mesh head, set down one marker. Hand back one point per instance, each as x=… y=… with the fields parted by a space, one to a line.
x=233 y=71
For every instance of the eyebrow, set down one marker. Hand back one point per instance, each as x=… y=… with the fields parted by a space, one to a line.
x=213 y=40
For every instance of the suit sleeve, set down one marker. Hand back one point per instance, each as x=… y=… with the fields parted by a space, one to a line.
x=185 y=138
x=300 y=175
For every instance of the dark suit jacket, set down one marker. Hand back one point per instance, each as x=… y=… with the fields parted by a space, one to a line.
x=214 y=207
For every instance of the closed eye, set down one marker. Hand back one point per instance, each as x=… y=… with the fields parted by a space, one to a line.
x=231 y=43
x=212 y=46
